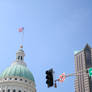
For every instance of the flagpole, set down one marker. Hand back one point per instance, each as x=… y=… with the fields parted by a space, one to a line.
x=22 y=38
x=21 y=31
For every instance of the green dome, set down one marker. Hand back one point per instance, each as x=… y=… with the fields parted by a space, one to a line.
x=17 y=70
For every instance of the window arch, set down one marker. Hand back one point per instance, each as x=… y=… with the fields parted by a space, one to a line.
x=15 y=78
x=25 y=80
x=21 y=58
x=20 y=79
x=19 y=90
x=10 y=78
x=14 y=90
x=8 y=90
x=18 y=57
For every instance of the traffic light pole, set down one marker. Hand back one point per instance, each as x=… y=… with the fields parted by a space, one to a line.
x=77 y=73
x=72 y=74
x=50 y=80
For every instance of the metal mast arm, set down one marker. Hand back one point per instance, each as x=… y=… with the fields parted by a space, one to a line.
x=77 y=73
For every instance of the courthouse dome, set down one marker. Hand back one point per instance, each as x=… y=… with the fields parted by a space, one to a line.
x=17 y=70
x=17 y=77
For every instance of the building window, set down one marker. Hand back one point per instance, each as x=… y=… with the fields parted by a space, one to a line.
x=15 y=78
x=88 y=57
x=10 y=78
x=18 y=57
x=8 y=90
x=20 y=79
x=21 y=57
x=19 y=90
x=25 y=80
x=14 y=90
x=3 y=90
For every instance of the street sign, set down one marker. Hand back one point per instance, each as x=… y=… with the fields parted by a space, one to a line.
x=62 y=77
x=90 y=71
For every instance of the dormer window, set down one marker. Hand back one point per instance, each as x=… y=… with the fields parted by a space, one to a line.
x=21 y=57
x=18 y=57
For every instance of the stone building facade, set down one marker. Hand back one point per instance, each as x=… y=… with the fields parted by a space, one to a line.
x=83 y=61
x=17 y=77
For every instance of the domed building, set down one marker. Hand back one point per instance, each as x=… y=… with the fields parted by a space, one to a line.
x=17 y=77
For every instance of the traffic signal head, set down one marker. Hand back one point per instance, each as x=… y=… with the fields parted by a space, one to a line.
x=49 y=77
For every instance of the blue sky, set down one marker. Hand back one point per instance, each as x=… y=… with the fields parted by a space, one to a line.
x=54 y=29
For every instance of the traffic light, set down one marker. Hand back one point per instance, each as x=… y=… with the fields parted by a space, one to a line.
x=49 y=77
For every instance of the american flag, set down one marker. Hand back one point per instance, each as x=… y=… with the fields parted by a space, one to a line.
x=21 y=29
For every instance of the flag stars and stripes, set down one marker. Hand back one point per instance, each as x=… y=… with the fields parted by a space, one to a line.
x=21 y=29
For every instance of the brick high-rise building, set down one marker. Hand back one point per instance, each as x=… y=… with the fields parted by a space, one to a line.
x=83 y=61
